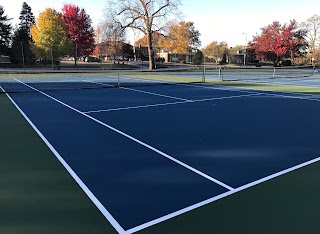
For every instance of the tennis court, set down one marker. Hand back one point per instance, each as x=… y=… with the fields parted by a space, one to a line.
x=149 y=155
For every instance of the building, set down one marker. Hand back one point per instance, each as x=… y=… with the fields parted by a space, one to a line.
x=175 y=57
x=113 y=50
x=110 y=50
x=236 y=58
x=4 y=59
x=140 y=53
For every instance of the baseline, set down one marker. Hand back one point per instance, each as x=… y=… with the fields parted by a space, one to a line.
x=206 y=202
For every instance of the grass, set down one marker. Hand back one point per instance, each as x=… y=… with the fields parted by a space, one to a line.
x=37 y=194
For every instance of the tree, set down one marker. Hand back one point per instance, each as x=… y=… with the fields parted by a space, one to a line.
x=146 y=16
x=277 y=42
x=158 y=40
x=111 y=36
x=143 y=41
x=5 y=32
x=198 y=58
x=50 y=36
x=127 y=51
x=216 y=51
x=80 y=30
x=182 y=38
x=27 y=20
x=312 y=27
x=236 y=48
x=115 y=36
x=22 y=39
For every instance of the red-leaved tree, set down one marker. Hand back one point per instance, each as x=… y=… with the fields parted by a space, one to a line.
x=80 y=30
x=277 y=42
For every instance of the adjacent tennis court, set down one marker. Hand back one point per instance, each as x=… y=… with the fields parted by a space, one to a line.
x=157 y=158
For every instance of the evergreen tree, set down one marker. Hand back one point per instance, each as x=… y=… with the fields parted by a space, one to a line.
x=27 y=20
x=5 y=32
x=198 y=58
x=22 y=42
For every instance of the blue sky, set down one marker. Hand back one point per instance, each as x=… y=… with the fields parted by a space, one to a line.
x=230 y=21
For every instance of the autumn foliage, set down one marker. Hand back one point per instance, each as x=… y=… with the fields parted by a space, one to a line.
x=181 y=37
x=50 y=35
x=277 y=42
x=79 y=28
x=216 y=51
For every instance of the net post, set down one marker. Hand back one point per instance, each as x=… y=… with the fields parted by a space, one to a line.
x=274 y=73
x=313 y=69
x=220 y=74
x=118 y=79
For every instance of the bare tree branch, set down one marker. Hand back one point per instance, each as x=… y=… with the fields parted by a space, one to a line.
x=146 y=16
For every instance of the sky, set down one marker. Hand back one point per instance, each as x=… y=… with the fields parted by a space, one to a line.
x=233 y=21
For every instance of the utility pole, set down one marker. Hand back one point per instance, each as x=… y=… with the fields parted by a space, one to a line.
x=22 y=53
x=52 y=58
x=76 y=55
x=245 y=50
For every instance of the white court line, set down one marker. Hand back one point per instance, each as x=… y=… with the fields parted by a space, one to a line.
x=174 y=214
x=135 y=107
x=229 y=97
x=210 y=200
x=92 y=197
x=135 y=140
x=235 y=89
x=156 y=94
x=222 y=87
x=92 y=82
x=140 y=91
x=173 y=103
x=267 y=93
x=295 y=97
x=291 y=82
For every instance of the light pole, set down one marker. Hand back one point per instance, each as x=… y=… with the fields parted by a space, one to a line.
x=76 y=54
x=52 y=57
x=245 y=50
x=22 y=53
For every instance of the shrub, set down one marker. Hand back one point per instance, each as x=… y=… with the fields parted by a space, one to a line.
x=286 y=63
x=198 y=58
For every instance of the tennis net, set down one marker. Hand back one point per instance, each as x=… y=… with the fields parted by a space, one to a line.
x=55 y=81
x=258 y=73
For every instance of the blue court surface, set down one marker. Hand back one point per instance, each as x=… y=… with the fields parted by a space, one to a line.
x=146 y=154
